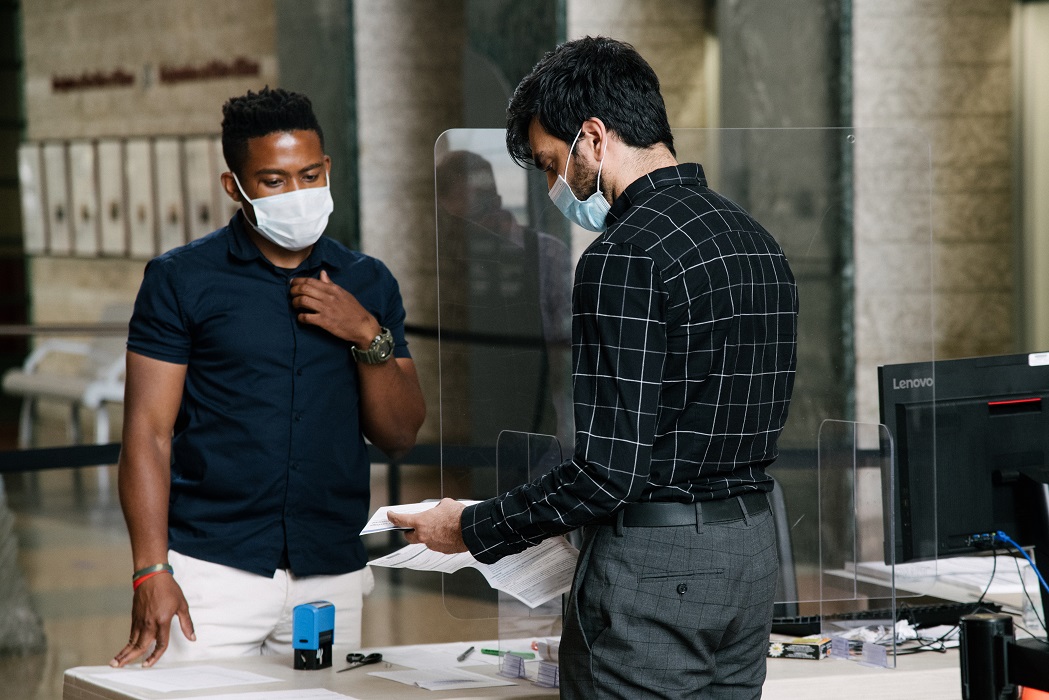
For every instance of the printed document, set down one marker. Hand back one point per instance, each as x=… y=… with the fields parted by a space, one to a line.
x=380 y=523
x=533 y=576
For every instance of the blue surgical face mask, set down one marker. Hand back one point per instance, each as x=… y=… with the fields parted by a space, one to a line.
x=589 y=213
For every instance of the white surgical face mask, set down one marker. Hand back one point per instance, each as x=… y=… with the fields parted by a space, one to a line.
x=589 y=213
x=293 y=220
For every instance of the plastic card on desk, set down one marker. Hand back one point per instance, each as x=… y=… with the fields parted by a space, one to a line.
x=549 y=675
x=875 y=655
x=839 y=648
x=512 y=666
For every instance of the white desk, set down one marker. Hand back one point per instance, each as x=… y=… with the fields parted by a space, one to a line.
x=80 y=684
x=928 y=676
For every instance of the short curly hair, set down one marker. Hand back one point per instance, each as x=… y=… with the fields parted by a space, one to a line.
x=260 y=114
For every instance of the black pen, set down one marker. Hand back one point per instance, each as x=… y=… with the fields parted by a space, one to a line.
x=462 y=657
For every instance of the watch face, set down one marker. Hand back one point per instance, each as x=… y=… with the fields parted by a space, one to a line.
x=379 y=351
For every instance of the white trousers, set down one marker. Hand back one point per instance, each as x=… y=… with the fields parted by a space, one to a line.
x=237 y=613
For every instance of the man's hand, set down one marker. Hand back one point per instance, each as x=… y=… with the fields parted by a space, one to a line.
x=323 y=303
x=156 y=602
x=438 y=528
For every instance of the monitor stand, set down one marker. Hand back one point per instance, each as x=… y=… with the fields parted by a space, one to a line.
x=1026 y=661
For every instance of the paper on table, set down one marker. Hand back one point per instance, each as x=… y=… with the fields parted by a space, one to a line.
x=165 y=680
x=972 y=573
x=533 y=576
x=298 y=694
x=380 y=523
x=440 y=656
x=446 y=679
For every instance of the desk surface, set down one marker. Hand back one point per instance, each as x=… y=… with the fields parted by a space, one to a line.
x=929 y=676
x=926 y=676
x=82 y=683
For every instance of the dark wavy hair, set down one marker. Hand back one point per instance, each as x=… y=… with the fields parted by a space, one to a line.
x=260 y=114
x=589 y=77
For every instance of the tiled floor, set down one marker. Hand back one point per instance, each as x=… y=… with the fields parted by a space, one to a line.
x=75 y=558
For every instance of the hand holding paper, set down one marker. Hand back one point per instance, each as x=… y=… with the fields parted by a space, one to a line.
x=379 y=522
x=438 y=527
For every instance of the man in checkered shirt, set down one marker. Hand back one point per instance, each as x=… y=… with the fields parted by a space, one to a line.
x=684 y=338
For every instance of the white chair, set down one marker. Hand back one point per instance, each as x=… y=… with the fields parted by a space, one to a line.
x=96 y=382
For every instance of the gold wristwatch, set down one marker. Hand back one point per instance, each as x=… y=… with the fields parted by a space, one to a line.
x=380 y=350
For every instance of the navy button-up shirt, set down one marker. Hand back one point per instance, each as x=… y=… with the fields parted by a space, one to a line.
x=267 y=449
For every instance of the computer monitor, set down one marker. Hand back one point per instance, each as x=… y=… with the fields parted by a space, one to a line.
x=971 y=454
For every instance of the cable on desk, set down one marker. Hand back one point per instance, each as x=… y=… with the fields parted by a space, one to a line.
x=1000 y=535
x=929 y=645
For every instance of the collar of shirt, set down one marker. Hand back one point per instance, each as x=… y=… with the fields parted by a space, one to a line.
x=243 y=248
x=681 y=174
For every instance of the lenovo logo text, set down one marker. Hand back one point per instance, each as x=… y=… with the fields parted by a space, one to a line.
x=920 y=383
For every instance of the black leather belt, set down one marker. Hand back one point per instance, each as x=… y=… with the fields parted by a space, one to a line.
x=678 y=514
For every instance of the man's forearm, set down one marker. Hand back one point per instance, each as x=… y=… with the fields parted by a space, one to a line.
x=145 y=484
x=392 y=405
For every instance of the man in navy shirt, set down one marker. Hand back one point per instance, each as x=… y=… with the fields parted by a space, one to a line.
x=260 y=357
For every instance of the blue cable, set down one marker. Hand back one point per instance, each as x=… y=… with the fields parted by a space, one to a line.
x=1010 y=541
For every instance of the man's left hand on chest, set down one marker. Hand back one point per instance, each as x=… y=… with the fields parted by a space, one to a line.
x=322 y=303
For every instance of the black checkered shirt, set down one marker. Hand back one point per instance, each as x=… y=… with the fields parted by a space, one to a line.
x=685 y=333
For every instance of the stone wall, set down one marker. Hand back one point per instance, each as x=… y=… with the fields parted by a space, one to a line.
x=67 y=39
x=409 y=67
x=672 y=36
x=939 y=73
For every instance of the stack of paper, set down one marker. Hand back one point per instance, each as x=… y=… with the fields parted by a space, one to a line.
x=549 y=675
x=380 y=523
x=533 y=576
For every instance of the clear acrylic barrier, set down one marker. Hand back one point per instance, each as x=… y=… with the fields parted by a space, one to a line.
x=521 y=458
x=859 y=243
x=856 y=489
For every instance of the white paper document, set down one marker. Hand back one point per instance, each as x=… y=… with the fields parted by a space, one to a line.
x=533 y=576
x=380 y=523
x=297 y=694
x=440 y=656
x=971 y=573
x=447 y=679
x=166 y=680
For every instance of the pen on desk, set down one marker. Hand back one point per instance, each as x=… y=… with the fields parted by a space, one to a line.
x=462 y=657
x=497 y=652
